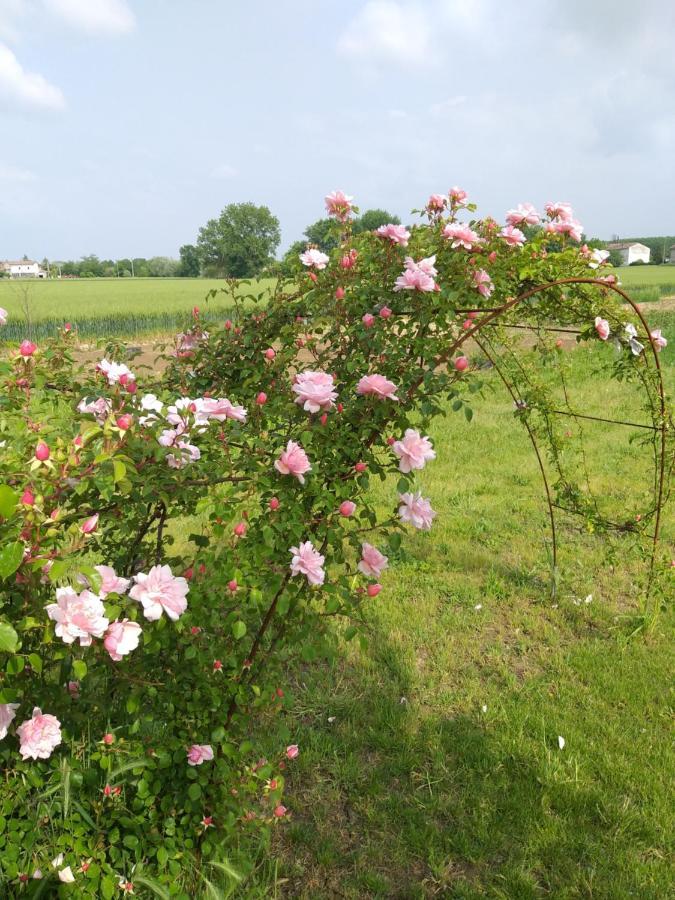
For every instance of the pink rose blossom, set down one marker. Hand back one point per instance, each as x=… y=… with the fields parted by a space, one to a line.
x=602 y=328
x=292 y=751
x=377 y=386
x=559 y=210
x=314 y=259
x=413 y=451
x=483 y=282
x=658 y=339
x=199 y=753
x=27 y=348
x=218 y=410
x=461 y=236
x=121 y=638
x=457 y=196
x=90 y=524
x=397 y=234
x=308 y=562
x=160 y=591
x=116 y=373
x=7 y=714
x=280 y=811
x=523 y=214
x=417 y=276
x=293 y=461
x=111 y=583
x=100 y=408
x=372 y=562
x=347 y=508
x=514 y=237
x=39 y=735
x=368 y=320
x=77 y=616
x=436 y=203
x=565 y=226
x=339 y=205
x=315 y=391
x=416 y=510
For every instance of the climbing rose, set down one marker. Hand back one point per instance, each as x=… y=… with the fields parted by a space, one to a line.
x=658 y=340
x=416 y=510
x=100 y=408
x=7 y=714
x=314 y=259
x=372 y=562
x=417 y=276
x=457 y=196
x=39 y=735
x=461 y=236
x=292 y=751
x=339 y=205
x=635 y=345
x=293 y=461
x=514 y=237
x=199 y=753
x=523 y=214
x=219 y=410
x=565 y=226
x=602 y=328
x=377 y=385
x=559 y=210
x=159 y=591
x=77 y=616
x=397 y=234
x=413 y=451
x=111 y=583
x=483 y=282
x=315 y=391
x=121 y=638
x=597 y=258
x=115 y=372
x=436 y=203
x=308 y=561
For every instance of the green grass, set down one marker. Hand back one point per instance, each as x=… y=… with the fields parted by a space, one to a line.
x=648 y=275
x=440 y=773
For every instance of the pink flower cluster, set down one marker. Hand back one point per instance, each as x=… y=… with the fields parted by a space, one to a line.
x=413 y=451
x=309 y=562
x=397 y=234
x=160 y=591
x=377 y=386
x=461 y=236
x=314 y=259
x=523 y=214
x=417 y=276
x=116 y=373
x=315 y=391
x=339 y=206
x=562 y=220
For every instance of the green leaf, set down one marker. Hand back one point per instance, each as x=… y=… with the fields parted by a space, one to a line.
x=468 y=412
x=9 y=639
x=119 y=470
x=8 y=501
x=239 y=630
x=79 y=669
x=194 y=791
x=35 y=663
x=10 y=559
x=15 y=665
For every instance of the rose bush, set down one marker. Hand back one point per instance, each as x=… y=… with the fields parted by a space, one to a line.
x=174 y=539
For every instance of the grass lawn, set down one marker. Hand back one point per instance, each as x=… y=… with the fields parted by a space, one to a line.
x=430 y=762
x=647 y=275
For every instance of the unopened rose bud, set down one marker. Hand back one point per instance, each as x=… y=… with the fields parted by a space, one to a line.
x=280 y=811
x=89 y=525
x=274 y=503
x=28 y=497
x=368 y=320
x=385 y=312
x=461 y=363
x=466 y=324
x=340 y=293
x=124 y=422
x=347 y=508
x=360 y=467
x=42 y=451
x=240 y=529
x=324 y=418
x=373 y=589
x=232 y=585
x=270 y=353
x=261 y=399
x=108 y=739
x=27 y=348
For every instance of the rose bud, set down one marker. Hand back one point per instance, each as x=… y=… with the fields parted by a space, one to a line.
x=232 y=585
x=261 y=399
x=108 y=739
x=124 y=422
x=340 y=293
x=274 y=503
x=368 y=320
x=28 y=497
x=27 y=348
x=347 y=508
x=385 y=312
x=373 y=589
x=240 y=529
x=360 y=467
x=89 y=525
x=461 y=363
x=42 y=452
x=269 y=353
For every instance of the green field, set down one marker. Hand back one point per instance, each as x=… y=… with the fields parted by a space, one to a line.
x=648 y=275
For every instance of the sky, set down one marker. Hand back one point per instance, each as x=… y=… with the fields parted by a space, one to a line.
x=126 y=124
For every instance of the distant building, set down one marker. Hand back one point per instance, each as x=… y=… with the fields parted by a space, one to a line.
x=672 y=254
x=630 y=252
x=23 y=268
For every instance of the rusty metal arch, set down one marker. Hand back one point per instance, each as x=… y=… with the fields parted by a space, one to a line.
x=491 y=316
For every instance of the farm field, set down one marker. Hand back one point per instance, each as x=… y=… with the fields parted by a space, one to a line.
x=647 y=275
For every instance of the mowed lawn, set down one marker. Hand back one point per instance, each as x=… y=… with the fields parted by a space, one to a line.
x=647 y=275
x=430 y=759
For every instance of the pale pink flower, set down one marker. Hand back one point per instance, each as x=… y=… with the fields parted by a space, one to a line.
x=523 y=214
x=66 y=875
x=115 y=372
x=199 y=753
x=483 y=283
x=7 y=714
x=3 y=316
x=90 y=524
x=635 y=346
x=377 y=386
x=436 y=203
x=314 y=259
x=39 y=735
x=293 y=461
x=658 y=339
x=188 y=453
x=602 y=328
x=397 y=234
x=418 y=276
x=416 y=510
x=458 y=197
x=413 y=451
x=121 y=638
x=315 y=391
x=160 y=590
x=308 y=562
x=514 y=237
x=73 y=688
x=339 y=205
x=461 y=236
x=292 y=751
x=111 y=583
x=571 y=227
x=559 y=210
x=100 y=408
x=347 y=508
x=598 y=257
x=372 y=562
x=219 y=410
x=77 y=616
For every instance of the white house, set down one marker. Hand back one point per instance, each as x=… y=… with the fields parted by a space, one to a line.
x=23 y=268
x=630 y=252
x=672 y=254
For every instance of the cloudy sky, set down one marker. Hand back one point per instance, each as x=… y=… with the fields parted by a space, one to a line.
x=126 y=124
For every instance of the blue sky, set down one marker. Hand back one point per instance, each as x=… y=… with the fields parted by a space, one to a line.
x=126 y=124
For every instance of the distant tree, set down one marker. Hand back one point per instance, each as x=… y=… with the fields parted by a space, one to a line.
x=322 y=234
x=372 y=219
x=289 y=261
x=162 y=267
x=240 y=242
x=90 y=266
x=615 y=258
x=189 y=266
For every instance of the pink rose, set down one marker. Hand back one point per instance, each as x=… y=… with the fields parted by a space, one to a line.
x=436 y=203
x=218 y=410
x=116 y=373
x=314 y=259
x=523 y=214
x=100 y=408
x=42 y=452
x=658 y=340
x=292 y=751
x=111 y=583
x=483 y=283
x=339 y=205
x=559 y=210
x=315 y=391
x=160 y=591
x=293 y=461
x=457 y=196
x=347 y=508
x=368 y=320
x=461 y=236
x=39 y=735
x=372 y=562
x=417 y=276
x=199 y=753
x=308 y=562
x=378 y=386
x=416 y=510
x=413 y=451
x=77 y=616
x=121 y=638
x=397 y=234
x=90 y=524
x=7 y=714
x=27 y=348
x=514 y=237
x=602 y=328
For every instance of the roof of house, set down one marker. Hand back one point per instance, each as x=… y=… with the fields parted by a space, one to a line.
x=624 y=245
x=19 y=262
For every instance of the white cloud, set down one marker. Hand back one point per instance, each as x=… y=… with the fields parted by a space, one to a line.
x=15 y=175
x=224 y=171
x=385 y=31
x=110 y=17
x=25 y=90
x=442 y=109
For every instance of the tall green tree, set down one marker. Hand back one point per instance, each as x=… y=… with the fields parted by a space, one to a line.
x=372 y=219
x=240 y=242
x=189 y=262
